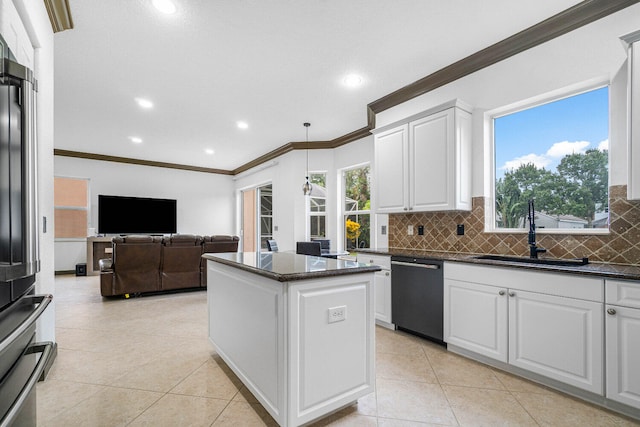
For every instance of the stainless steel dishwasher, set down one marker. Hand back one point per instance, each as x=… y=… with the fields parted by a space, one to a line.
x=417 y=290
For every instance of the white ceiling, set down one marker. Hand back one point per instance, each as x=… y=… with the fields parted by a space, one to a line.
x=272 y=63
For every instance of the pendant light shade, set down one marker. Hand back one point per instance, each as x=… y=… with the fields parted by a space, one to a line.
x=306 y=188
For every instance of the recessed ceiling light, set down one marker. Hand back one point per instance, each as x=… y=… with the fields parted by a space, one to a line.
x=135 y=139
x=209 y=151
x=164 y=6
x=242 y=125
x=144 y=103
x=352 y=80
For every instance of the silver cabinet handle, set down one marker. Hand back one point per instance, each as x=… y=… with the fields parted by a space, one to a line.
x=410 y=264
x=14 y=409
x=370 y=261
x=512 y=294
x=501 y=293
x=611 y=311
x=43 y=301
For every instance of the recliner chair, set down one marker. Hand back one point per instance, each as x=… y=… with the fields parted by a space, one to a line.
x=135 y=266
x=180 y=268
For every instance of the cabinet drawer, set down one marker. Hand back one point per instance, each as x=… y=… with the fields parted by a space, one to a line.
x=622 y=292
x=560 y=284
x=381 y=260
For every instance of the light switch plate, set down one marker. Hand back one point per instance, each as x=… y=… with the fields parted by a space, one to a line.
x=410 y=230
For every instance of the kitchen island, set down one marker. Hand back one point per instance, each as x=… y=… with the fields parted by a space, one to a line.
x=297 y=330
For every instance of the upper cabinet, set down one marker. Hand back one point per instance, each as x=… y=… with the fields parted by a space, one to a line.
x=633 y=184
x=423 y=163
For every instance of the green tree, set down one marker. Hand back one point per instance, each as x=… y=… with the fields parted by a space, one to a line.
x=357 y=186
x=578 y=188
x=588 y=171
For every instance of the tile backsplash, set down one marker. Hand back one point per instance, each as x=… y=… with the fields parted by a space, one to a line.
x=621 y=245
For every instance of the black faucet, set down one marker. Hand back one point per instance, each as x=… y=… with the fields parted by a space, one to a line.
x=533 y=249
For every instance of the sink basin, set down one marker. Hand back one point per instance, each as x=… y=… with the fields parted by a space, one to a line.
x=543 y=261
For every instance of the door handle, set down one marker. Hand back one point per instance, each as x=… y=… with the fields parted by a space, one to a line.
x=410 y=264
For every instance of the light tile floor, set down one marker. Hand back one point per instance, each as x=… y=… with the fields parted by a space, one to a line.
x=147 y=362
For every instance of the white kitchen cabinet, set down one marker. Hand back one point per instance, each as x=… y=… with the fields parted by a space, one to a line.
x=381 y=287
x=423 y=163
x=622 y=324
x=558 y=337
x=546 y=323
x=476 y=318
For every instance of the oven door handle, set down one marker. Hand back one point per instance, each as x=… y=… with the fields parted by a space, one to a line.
x=45 y=349
x=43 y=301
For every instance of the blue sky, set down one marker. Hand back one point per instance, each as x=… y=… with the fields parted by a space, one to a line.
x=545 y=134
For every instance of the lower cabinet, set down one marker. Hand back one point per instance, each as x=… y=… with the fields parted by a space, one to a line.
x=622 y=323
x=549 y=324
x=382 y=287
x=476 y=317
x=558 y=337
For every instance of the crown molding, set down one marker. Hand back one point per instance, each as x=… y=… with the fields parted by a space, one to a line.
x=59 y=15
x=568 y=20
x=105 y=158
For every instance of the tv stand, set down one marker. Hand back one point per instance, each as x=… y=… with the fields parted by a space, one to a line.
x=97 y=248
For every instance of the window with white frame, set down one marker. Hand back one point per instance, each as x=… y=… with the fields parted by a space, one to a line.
x=318 y=205
x=553 y=151
x=356 y=183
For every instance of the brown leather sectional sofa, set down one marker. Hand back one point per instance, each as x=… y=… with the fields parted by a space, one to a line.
x=143 y=264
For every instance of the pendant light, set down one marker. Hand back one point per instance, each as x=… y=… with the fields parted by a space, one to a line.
x=306 y=188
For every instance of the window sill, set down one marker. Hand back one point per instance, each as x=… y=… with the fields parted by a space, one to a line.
x=564 y=231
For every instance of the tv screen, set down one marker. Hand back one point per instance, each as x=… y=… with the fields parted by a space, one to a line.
x=127 y=215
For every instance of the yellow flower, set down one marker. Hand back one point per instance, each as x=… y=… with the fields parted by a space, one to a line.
x=353 y=230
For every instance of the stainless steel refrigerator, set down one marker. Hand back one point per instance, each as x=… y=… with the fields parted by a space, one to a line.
x=22 y=360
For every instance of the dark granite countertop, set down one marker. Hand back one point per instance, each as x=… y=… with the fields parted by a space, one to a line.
x=286 y=266
x=605 y=270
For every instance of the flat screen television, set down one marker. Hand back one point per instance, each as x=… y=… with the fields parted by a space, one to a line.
x=136 y=215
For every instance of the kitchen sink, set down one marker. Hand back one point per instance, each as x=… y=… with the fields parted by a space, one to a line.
x=543 y=261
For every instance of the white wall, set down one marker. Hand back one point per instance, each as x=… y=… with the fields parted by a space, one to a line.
x=25 y=25
x=205 y=203
x=287 y=178
x=593 y=52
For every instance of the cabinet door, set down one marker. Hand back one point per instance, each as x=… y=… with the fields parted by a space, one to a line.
x=623 y=355
x=475 y=318
x=382 y=285
x=431 y=162
x=391 y=175
x=561 y=338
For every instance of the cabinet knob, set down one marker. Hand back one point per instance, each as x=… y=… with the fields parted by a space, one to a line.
x=411 y=208
x=501 y=293
x=370 y=261
x=386 y=274
x=611 y=311
x=512 y=294
x=405 y=209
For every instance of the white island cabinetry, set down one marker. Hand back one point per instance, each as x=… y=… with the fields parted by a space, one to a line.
x=423 y=163
x=297 y=330
x=545 y=323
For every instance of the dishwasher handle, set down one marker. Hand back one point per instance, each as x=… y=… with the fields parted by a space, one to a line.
x=411 y=264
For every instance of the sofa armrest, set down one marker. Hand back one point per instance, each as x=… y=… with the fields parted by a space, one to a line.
x=105 y=265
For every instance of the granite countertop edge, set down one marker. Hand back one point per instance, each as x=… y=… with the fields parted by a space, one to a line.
x=600 y=269
x=290 y=277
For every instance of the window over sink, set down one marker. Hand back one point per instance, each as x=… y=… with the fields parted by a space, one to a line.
x=553 y=149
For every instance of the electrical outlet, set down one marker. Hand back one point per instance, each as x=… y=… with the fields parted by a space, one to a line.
x=337 y=314
x=410 y=230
